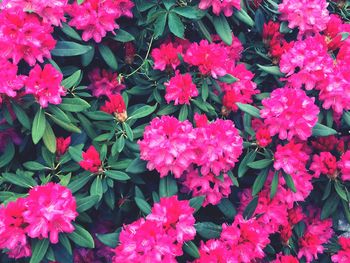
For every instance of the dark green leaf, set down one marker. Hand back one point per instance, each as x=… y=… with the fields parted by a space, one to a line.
x=143 y=205
x=250 y=209
x=123 y=36
x=223 y=28
x=96 y=187
x=39 y=248
x=81 y=237
x=137 y=166
x=21 y=115
x=20 y=179
x=110 y=240
x=175 y=25
x=208 y=230
x=320 y=130
x=289 y=182
x=243 y=167
x=49 y=138
x=74 y=104
x=190 y=12
x=143 y=112
x=8 y=154
x=191 y=249
x=86 y=203
x=251 y=110
x=72 y=80
x=227 y=208
x=274 y=185
x=167 y=186
x=39 y=125
x=68 y=49
x=330 y=206
x=260 y=181
x=196 y=202
x=108 y=56
x=273 y=70
x=117 y=175
x=69 y=31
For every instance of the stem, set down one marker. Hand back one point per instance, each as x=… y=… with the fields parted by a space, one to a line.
x=144 y=61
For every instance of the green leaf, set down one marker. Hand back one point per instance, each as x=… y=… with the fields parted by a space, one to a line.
x=110 y=240
x=289 y=182
x=39 y=125
x=79 y=182
x=96 y=188
x=86 y=203
x=243 y=167
x=191 y=249
x=208 y=230
x=76 y=153
x=320 y=130
x=169 y=3
x=250 y=209
x=123 y=36
x=196 y=202
x=69 y=31
x=64 y=241
x=39 y=248
x=81 y=237
x=204 y=30
x=260 y=181
x=274 y=185
x=143 y=111
x=117 y=175
x=159 y=25
x=227 y=208
x=69 y=49
x=34 y=166
x=19 y=179
x=223 y=28
x=8 y=154
x=87 y=58
x=273 y=70
x=74 y=104
x=108 y=56
x=183 y=113
x=346 y=117
x=175 y=25
x=72 y=80
x=339 y=188
x=167 y=186
x=49 y=138
x=205 y=90
x=228 y=78
x=327 y=190
x=67 y=126
x=242 y=16
x=136 y=166
x=330 y=206
x=143 y=205
x=251 y=110
x=128 y=131
x=21 y=115
x=261 y=164
x=190 y=12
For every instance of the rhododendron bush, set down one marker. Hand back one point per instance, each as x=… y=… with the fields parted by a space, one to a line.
x=204 y=131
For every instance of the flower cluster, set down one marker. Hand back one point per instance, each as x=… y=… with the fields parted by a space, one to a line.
x=343 y=254
x=308 y=16
x=243 y=241
x=91 y=160
x=104 y=82
x=290 y=113
x=95 y=18
x=47 y=211
x=159 y=237
x=169 y=145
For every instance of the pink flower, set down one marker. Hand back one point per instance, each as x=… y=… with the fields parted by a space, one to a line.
x=24 y=36
x=225 y=6
x=334 y=30
x=176 y=218
x=317 y=233
x=307 y=62
x=213 y=251
x=263 y=138
x=246 y=239
x=218 y=147
x=91 y=160
x=147 y=240
x=13 y=229
x=167 y=145
x=62 y=145
x=343 y=255
x=52 y=12
x=180 y=89
x=200 y=120
x=114 y=105
x=310 y=16
x=45 y=85
x=325 y=163
x=51 y=208
x=105 y=82
x=285 y=259
x=211 y=59
x=214 y=188
x=234 y=50
x=242 y=90
x=289 y=113
x=166 y=56
x=290 y=157
x=96 y=17
x=344 y=166
x=10 y=82
x=325 y=144
x=335 y=89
